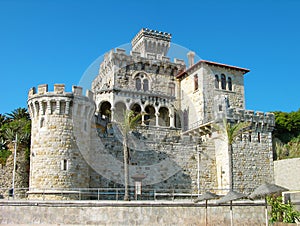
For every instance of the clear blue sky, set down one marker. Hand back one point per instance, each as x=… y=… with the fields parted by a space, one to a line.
x=54 y=41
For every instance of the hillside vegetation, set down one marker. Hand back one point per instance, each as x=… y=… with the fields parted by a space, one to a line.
x=11 y=124
x=286 y=141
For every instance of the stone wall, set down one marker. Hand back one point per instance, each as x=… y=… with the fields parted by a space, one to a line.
x=124 y=213
x=286 y=173
x=21 y=176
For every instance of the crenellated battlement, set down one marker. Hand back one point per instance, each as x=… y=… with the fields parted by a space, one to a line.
x=258 y=118
x=41 y=101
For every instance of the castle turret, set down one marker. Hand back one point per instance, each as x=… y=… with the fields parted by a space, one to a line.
x=57 y=164
x=151 y=44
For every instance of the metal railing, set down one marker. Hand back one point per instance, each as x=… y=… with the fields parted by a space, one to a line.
x=116 y=194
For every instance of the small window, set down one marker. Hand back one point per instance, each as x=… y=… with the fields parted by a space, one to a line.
x=171 y=89
x=216 y=81
x=64 y=165
x=195 y=82
x=249 y=137
x=145 y=85
x=42 y=123
x=223 y=81
x=258 y=137
x=229 y=84
x=138 y=84
x=220 y=107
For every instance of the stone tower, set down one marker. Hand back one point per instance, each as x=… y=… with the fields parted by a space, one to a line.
x=151 y=44
x=58 y=119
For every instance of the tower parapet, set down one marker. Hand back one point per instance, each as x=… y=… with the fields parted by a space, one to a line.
x=56 y=161
x=151 y=43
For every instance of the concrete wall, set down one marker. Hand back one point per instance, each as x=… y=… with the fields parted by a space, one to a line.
x=126 y=213
x=286 y=173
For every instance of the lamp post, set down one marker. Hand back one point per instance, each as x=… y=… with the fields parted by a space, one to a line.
x=15 y=163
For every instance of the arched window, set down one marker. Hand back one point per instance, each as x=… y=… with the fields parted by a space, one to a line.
x=145 y=85
x=216 y=81
x=171 y=89
x=195 y=82
x=138 y=84
x=223 y=81
x=229 y=84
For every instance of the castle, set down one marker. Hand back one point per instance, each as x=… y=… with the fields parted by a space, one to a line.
x=77 y=139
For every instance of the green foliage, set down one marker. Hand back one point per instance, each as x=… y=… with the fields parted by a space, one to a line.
x=282 y=212
x=287 y=135
x=230 y=131
x=19 y=113
x=4 y=154
x=287 y=125
x=17 y=122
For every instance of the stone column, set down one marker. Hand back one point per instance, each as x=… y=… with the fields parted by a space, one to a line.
x=112 y=109
x=143 y=118
x=156 y=117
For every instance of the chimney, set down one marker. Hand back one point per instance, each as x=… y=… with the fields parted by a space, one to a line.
x=191 y=56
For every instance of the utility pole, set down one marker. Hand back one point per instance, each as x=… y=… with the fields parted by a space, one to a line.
x=15 y=163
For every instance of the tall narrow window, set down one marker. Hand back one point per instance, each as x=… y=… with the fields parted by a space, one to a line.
x=223 y=81
x=216 y=81
x=42 y=122
x=138 y=84
x=258 y=137
x=145 y=85
x=171 y=89
x=195 y=82
x=229 y=84
x=249 y=137
x=64 y=164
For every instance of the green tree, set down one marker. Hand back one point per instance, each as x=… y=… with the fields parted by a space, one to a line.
x=230 y=131
x=19 y=113
x=282 y=212
x=131 y=121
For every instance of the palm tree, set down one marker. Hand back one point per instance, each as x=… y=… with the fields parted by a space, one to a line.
x=19 y=113
x=230 y=131
x=131 y=121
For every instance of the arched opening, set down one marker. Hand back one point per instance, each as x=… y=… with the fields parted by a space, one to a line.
x=229 y=84
x=138 y=84
x=136 y=108
x=216 y=81
x=223 y=81
x=120 y=109
x=105 y=110
x=145 y=85
x=164 y=119
x=150 y=116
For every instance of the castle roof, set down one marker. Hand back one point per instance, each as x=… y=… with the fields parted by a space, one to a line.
x=181 y=74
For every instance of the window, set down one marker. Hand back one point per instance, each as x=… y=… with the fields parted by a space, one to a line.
x=216 y=81
x=223 y=81
x=171 y=89
x=195 y=82
x=138 y=84
x=229 y=84
x=42 y=122
x=64 y=165
x=249 y=137
x=258 y=137
x=145 y=85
